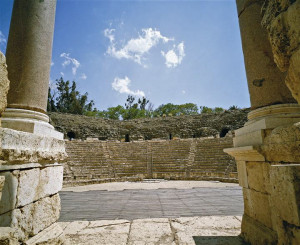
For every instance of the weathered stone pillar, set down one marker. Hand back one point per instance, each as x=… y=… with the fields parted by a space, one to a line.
x=29 y=50
x=30 y=149
x=266 y=149
x=265 y=81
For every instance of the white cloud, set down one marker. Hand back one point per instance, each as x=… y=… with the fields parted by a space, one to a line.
x=83 y=76
x=135 y=49
x=2 y=39
x=122 y=86
x=174 y=56
x=109 y=33
x=62 y=74
x=68 y=60
x=183 y=91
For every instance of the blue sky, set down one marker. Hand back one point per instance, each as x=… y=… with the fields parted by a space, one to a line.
x=168 y=50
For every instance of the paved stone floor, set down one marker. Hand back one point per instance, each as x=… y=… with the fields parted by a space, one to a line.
x=137 y=203
x=170 y=213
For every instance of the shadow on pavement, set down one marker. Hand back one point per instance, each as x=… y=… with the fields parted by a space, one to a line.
x=218 y=240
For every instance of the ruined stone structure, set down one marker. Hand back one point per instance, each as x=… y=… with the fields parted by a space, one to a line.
x=30 y=173
x=266 y=148
x=196 y=126
x=93 y=162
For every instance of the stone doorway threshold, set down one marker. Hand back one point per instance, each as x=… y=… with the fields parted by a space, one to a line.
x=208 y=230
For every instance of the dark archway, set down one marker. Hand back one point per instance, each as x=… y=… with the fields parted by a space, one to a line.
x=127 y=138
x=71 y=135
x=223 y=132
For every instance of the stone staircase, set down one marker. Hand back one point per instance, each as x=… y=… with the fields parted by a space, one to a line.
x=92 y=162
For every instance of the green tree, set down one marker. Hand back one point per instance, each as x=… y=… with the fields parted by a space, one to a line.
x=205 y=109
x=68 y=99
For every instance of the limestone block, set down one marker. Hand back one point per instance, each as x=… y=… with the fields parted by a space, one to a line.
x=32 y=218
x=281 y=145
x=256 y=206
x=242 y=173
x=28 y=188
x=53 y=235
x=258 y=176
x=22 y=147
x=29 y=185
x=4 y=83
x=7 y=236
x=159 y=229
x=9 y=191
x=256 y=233
x=285 y=195
x=51 y=180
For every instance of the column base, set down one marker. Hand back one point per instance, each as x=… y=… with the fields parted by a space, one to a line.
x=29 y=121
x=268 y=162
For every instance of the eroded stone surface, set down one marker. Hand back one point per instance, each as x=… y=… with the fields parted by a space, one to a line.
x=151 y=231
x=53 y=235
x=28 y=185
x=282 y=20
x=22 y=147
x=90 y=233
x=4 y=83
x=9 y=191
x=32 y=218
x=7 y=236
x=181 y=231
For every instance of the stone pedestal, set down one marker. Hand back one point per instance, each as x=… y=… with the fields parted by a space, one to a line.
x=267 y=153
x=29 y=121
x=30 y=204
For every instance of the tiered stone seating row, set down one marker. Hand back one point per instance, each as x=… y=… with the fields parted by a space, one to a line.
x=190 y=159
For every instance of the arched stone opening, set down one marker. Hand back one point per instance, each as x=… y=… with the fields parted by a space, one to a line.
x=224 y=131
x=71 y=135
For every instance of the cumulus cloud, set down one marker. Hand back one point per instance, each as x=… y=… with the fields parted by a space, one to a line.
x=135 y=49
x=68 y=60
x=121 y=85
x=83 y=76
x=174 y=56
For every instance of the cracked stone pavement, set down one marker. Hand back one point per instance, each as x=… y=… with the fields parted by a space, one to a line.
x=220 y=227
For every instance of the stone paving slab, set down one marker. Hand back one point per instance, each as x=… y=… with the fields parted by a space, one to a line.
x=208 y=230
x=133 y=203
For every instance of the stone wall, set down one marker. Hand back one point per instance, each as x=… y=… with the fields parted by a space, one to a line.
x=189 y=159
x=195 y=126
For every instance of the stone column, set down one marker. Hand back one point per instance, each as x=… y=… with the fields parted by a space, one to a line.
x=266 y=149
x=266 y=83
x=30 y=149
x=29 y=50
